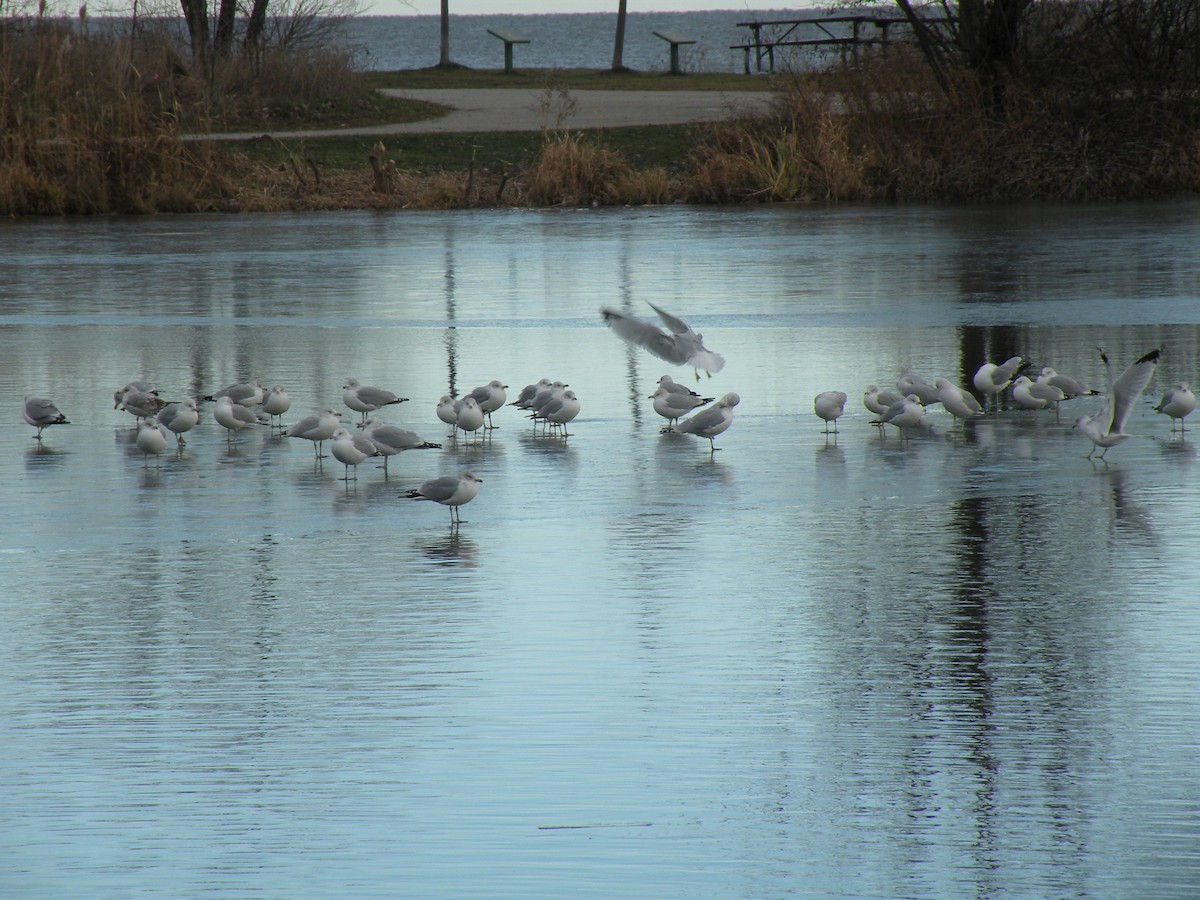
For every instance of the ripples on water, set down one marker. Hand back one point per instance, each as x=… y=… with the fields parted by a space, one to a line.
x=964 y=666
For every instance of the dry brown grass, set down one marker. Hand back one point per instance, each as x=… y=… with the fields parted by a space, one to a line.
x=573 y=171
x=884 y=131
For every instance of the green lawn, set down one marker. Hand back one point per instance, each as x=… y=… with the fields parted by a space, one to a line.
x=569 y=79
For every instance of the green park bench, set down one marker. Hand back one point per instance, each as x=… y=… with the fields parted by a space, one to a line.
x=509 y=38
x=675 y=40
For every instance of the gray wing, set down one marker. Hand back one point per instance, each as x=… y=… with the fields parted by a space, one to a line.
x=645 y=335
x=377 y=396
x=1129 y=387
x=702 y=421
x=439 y=489
x=674 y=323
x=40 y=409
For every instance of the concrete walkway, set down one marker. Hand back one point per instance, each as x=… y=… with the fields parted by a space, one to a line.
x=524 y=109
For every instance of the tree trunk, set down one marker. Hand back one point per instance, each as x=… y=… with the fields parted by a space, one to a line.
x=195 y=13
x=226 y=17
x=618 y=63
x=444 y=58
x=254 y=27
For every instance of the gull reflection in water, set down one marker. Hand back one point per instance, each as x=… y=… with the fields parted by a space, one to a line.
x=451 y=549
x=1129 y=517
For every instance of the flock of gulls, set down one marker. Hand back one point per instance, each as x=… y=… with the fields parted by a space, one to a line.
x=552 y=405
x=1105 y=428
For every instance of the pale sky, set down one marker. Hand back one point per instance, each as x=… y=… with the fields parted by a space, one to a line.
x=529 y=7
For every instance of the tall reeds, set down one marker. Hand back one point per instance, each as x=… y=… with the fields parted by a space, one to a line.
x=84 y=128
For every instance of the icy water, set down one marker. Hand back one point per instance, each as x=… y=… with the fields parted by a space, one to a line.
x=963 y=666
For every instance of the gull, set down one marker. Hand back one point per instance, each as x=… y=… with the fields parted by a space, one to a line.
x=1106 y=427
x=179 y=418
x=448 y=413
x=545 y=394
x=679 y=345
x=559 y=411
x=449 y=490
x=911 y=383
x=467 y=415
x=366 y=399
x=490 y=398
x=246 y=393
x=317 y=428
x=959 y=403
x=1065 y=383
x=525 y=397
x=673 y=406
x=233 y=417
x=41 y=413
x=991 y=379
x=667 y=383
x=151 y=439
x=142 y=404
x=391 y=439
x=878 y=401
x=1178 y=402
x=829 y=405
x=144 y=387
x=1036 y=395
x=904 y=414
x=713 y=420
x=351 y=449
x=276 y=402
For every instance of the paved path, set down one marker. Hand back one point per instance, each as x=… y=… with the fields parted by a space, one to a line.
x=526 y=109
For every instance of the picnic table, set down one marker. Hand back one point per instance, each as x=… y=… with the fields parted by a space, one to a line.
x=843 y=32
x=509 y=38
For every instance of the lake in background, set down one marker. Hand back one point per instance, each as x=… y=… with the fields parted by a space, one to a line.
x=964 y=665
x=571 y=41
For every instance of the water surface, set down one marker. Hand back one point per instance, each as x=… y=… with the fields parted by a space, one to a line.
x=961 y=666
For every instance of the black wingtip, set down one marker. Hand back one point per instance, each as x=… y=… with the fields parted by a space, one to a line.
x=1153 y=356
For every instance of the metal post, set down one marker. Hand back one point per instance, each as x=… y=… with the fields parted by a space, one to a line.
x=674 y=58
x=508 y=58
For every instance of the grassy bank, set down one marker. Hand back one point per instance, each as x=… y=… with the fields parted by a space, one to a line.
x=103 y=130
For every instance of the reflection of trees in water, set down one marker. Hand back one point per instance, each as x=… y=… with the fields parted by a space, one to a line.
x=451 y=336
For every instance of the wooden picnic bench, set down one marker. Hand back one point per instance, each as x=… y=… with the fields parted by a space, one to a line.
x=675 y=40
x=509 y=38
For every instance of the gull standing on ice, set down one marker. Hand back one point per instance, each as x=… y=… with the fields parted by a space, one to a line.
x=151 y=440
x=447 y=411
x=275 y=403
x=449 y=490
x=878 y=401
x=525 y=397
x=233 y=417
x=911 y=383
x=490 y=398
x=1106 y=427
x=391 y=439
x=317 y=428
x=1036 y=395
x=904 y=414
x=467 y=415
x=365 y=399
x=713 y=420
x=829 y=405
x=142 y=404
x=1065 y=383
x=1178 y=402
x=679 y=345
x=559 y=411
x=351 y=449
x=673 y=405
x=144 y=387
x=991 y=379
x=179 y=418
x=959 y=403
x=41 y=413
x=246 y=393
